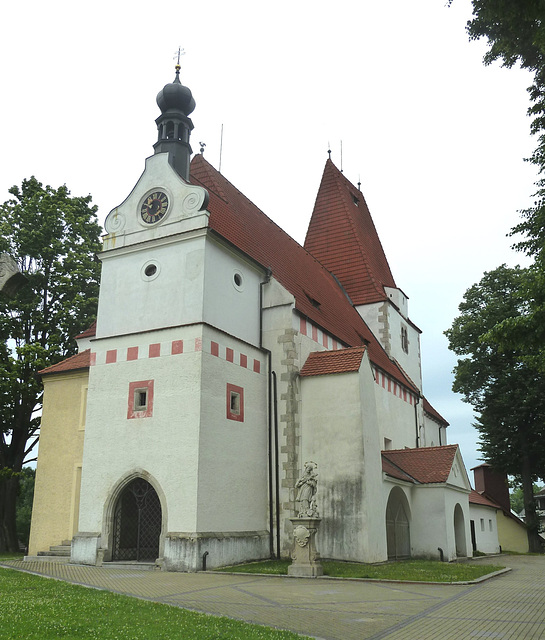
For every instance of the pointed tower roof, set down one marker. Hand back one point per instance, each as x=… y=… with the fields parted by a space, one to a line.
x=342 y=236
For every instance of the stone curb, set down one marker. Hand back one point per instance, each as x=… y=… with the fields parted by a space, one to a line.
x=488 y=576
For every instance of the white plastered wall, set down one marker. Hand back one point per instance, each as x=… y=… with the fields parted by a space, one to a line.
x=396 y=418
x=164 y=445
x=232 y=489
x=231 y=292
x=340 y=434
x=130 y=301
x=486 y=528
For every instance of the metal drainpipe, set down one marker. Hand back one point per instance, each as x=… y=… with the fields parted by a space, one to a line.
x=416 y=422
x=269 y=417
x=276 y=470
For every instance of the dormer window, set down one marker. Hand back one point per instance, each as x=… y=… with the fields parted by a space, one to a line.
x=355 y=200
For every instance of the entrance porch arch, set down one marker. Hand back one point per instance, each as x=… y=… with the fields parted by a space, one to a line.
x=398 y=515
x=460 y=532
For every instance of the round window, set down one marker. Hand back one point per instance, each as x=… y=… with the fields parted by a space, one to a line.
x=238 y=280
x=150 y=270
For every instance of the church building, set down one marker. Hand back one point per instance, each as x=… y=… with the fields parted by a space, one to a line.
x=224 y=357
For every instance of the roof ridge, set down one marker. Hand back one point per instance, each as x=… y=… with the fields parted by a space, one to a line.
x=439 y=446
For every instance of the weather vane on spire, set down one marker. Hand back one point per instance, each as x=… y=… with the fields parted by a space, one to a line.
x=177 y=55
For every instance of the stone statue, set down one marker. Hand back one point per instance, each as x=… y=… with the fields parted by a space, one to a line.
x=306 y=492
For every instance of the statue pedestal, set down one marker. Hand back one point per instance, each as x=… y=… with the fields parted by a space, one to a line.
x=305 y=558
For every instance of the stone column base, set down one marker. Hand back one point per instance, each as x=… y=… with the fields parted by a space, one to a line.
x=305 y=558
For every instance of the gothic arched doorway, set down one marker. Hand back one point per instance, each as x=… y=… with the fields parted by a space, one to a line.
x=137 y=523
x=460 y=532
x=397 y=525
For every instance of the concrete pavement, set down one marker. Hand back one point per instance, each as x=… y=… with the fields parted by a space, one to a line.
x=508 y=606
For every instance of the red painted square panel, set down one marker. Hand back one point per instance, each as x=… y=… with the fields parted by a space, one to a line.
x=177 y=347
x=243 y=360
x=155 y=350
x=229 y=355
x=214 y=348
x=257 y=366
x=132 y=353
x=140 y=401
x=111 y=356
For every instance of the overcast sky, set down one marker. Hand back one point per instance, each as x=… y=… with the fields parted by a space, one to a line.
x=437 y=139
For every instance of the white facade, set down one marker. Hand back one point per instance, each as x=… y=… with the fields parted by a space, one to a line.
x=199 y=418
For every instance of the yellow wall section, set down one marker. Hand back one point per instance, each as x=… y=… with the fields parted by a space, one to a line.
x=511 y=534
x=58 y=474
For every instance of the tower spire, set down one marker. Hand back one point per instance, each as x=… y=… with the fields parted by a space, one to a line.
x=173 y=125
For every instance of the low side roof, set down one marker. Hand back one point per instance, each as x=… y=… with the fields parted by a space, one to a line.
x=89 y=332
x=73 y=363
x=477 y=498
x=426 y=465
x=433 y=413
x=321 y=363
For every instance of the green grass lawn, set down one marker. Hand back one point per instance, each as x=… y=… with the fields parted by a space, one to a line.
x=417 y=570
x=32 y=607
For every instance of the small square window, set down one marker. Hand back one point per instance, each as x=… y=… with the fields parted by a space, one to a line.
x=140 y=402
x=235 y=403
x=490 y=525
x=140 y=399
x=482 y=524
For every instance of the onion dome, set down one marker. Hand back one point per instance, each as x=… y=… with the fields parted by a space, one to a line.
x=175 y=97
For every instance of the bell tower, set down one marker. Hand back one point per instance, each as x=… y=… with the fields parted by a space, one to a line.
x=174 y=126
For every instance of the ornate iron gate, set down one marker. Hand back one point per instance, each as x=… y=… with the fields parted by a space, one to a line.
x=137 y=523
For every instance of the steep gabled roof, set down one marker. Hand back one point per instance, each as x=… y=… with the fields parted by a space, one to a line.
x=73 y=363
x=321 y=363
x=317 y=294
x=342 y=236
x=426 y=465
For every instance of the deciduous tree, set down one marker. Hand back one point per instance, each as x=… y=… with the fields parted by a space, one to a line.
x=54 y=238
x=504 y=385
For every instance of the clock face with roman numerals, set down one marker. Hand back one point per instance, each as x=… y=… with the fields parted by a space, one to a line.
x=154 y=207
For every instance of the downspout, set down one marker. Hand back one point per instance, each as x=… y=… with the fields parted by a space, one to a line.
x=416 y=422
x=276 y=473
x=270 y=460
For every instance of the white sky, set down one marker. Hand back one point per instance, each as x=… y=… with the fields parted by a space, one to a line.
x=437 y=139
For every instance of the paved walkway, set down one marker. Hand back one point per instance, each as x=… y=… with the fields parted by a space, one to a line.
x=508 y=606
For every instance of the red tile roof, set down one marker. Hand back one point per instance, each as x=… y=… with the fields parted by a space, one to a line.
x=342 y=236
x=79 y=361
x=433 y=413
x=326 y=362
x=426 y=465
x=317 y=294
x=477 y=498
x=391 y=469
x=88 y=333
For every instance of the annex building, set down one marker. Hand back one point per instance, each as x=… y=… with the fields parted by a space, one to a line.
x=224 y=356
